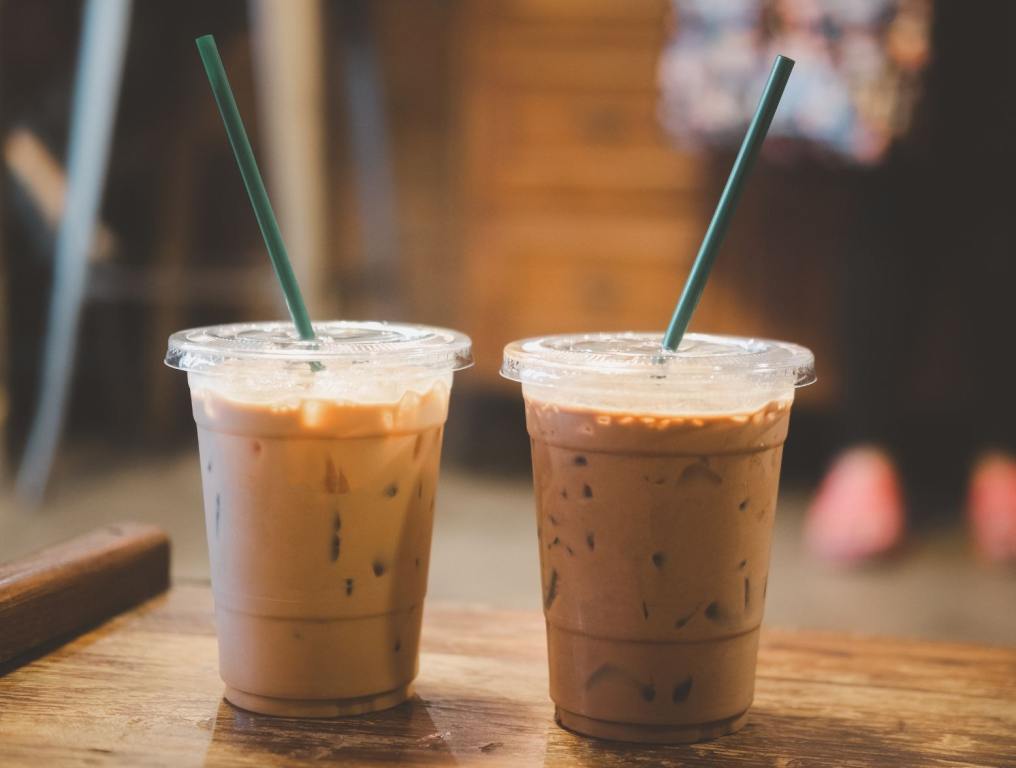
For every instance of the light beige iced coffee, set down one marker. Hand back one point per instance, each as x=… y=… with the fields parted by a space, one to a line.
x=320 y=475
x=656 y=480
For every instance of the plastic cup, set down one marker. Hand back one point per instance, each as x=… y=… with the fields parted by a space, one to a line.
x=656 y=477
x=319 y=465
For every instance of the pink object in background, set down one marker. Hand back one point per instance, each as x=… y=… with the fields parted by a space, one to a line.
x=991 y=508
x=858 y=512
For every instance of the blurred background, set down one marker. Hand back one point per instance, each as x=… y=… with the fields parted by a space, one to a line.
x=513 y=168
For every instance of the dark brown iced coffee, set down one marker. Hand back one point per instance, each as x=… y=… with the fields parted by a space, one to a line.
x=654 y=546
x=654 y=524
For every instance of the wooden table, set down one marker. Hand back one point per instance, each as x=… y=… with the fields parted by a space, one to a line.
x=143 y=690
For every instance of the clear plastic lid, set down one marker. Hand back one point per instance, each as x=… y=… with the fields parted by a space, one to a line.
x=631 y=370
x=343 y=345
x=640 y=356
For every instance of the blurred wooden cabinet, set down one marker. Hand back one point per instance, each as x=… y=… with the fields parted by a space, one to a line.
x=579 y=216
x=577 y=212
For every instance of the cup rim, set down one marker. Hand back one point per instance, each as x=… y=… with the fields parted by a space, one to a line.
x=344 y=344
x=632 y=356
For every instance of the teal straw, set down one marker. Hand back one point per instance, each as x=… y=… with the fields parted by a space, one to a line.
x=238 y=140
x=753 y=139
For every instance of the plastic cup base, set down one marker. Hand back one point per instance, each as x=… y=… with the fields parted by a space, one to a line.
x=648 y=733
x=320 y=708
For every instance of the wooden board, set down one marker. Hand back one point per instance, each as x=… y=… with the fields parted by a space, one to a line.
x=143 y=690
x=74 y=585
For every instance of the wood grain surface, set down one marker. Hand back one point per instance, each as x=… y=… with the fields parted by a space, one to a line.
x=143 y=690
x=74 y=585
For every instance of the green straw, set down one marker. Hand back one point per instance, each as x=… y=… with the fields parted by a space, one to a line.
x=728 y=201
x=255 y=186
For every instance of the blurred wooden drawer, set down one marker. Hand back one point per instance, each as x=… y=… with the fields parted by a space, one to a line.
x=563 y=97
x=577 y=294
x=569 y=46
x=555 y=277
x=621 y=241
x=615 y=62
x=579 y=11
x=585 y=142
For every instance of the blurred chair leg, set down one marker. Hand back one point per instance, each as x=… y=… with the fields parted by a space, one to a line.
x=4 y=346
x=372 y=159
x=289 y=72
x=104 y=32
x=42 y=184
x=175 y=238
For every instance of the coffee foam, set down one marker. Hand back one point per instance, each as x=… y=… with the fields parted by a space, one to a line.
x=292 y=385
x=665 y=397
x=307 y=416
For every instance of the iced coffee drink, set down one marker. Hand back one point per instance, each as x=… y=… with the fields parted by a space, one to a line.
x=656 y=479
x=319 y=466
